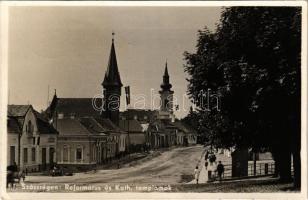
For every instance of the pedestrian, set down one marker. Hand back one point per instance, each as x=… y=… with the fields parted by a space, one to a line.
x=206 y=164
x=209 y=172
x=220 y=170
x=196 y=172
x=15 y=167
x=54 y=170
x=206 y=155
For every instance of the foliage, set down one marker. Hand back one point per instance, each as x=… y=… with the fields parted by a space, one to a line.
x=252 y=61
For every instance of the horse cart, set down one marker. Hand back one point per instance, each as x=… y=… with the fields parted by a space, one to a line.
x=14 y=176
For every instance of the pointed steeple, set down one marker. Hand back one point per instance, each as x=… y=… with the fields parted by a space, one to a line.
x=50 y=111
x=166 y=84
x=166 y=70
x=112 y=76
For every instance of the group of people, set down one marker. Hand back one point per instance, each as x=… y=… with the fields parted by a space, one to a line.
x=211 y=167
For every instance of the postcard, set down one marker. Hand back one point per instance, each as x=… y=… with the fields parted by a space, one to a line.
x=154 y=100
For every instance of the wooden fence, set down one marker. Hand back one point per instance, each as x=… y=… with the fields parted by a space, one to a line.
x=262 y=168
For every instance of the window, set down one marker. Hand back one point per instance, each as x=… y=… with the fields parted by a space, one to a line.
x=29 y=128
x=33 y=140
x=78 y=153
x=65 y=153
x=166 y=103
x=25 y=155
x=38 y=141
x=33 y=154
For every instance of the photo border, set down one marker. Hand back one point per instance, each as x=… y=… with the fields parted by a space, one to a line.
x=4 y=15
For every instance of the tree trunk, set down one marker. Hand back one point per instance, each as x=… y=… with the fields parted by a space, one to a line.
x=254 y=164
x=285 y=165
x=277 y=162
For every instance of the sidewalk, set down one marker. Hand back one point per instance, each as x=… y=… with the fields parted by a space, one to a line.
x=203 y=175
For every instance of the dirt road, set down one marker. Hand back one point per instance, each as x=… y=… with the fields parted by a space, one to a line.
x=169 y=167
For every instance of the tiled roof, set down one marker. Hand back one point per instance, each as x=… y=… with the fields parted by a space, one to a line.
x=13 y=125
x=68 y=126
x=157 y=126
x=93 y=126
x=80 y=107
x=51 y=108
x=43 y=125
x=45 y=128
x=140 y=113
x=168 y=124
x=184 y=127
x=109 y=125
x=17 y=110
x=131 y=125
x=16 y=118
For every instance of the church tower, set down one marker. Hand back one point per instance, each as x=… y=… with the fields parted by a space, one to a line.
x=166 y=94
x=112 y=88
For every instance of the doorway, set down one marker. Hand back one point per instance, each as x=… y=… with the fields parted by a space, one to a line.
x=43 y=158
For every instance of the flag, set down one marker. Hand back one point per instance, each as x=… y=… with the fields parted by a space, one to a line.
x=127 y=92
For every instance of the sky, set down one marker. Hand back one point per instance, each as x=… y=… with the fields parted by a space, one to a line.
x=67 y=49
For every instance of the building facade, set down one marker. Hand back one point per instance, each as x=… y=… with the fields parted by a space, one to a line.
x=32 y=141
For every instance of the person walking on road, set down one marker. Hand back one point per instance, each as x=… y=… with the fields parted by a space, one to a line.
x=206 y=163
x=220 y=170
x=196 y=173
x=206 y=156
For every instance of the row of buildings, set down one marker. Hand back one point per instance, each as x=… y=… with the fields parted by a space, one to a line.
x=70 y=131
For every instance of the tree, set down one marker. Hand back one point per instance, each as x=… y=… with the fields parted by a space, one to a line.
x=252 y=61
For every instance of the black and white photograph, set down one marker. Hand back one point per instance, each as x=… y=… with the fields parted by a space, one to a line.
x=132 y=98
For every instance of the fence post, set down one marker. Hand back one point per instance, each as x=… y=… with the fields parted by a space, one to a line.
x=266 y=168
x=260 y=168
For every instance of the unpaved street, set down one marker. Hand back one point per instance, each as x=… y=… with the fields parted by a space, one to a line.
x=165 y=168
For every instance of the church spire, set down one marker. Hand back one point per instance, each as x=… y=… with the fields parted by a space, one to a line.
x=166 y=69
x=166 y=84
x=112 y=88
x=166 y=95
x=112 y=76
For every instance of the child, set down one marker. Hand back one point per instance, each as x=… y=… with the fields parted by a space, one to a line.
x=196 y=172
